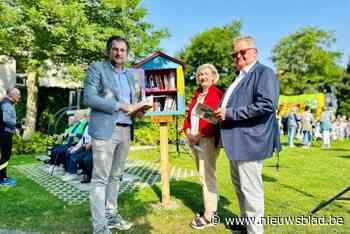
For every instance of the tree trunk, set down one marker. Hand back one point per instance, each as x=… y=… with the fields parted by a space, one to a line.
x=32 y=99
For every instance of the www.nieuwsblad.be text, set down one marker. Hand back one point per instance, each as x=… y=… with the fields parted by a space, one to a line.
x=281 y=220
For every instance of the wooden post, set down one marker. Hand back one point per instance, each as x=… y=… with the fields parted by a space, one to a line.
x=164 y=157
x=164 y=163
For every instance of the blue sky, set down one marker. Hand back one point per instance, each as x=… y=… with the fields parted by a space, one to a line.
x=268 y=21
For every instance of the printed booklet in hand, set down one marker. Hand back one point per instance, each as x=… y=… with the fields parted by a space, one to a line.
x=205 y=112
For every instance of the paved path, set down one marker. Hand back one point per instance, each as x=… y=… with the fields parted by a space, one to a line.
x=4 y=231
x=141 y=147
x=138 y=174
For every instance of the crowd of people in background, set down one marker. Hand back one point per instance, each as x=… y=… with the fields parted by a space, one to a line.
x=307 y=128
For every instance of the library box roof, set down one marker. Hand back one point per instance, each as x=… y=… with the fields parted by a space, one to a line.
x=160 y=60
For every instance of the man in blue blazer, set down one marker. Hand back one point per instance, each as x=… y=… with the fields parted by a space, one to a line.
x=249 y=128
x=110 y=90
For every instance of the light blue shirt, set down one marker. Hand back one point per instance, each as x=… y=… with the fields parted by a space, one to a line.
x=125 y=95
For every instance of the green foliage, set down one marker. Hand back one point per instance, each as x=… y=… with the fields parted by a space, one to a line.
x=305 y=62
x=211 y=46
x=51 y=100
x=147 y=133
x=37 y=144
x=343 y=93
x=72 y=33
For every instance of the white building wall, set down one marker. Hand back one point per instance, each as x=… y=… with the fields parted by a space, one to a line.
x=7 y=74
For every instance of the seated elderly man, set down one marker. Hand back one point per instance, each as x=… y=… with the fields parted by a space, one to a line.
x=76 y=155
x=74 y=134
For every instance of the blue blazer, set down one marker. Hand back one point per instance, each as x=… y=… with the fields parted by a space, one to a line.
x=250 y=129
x=101 y=94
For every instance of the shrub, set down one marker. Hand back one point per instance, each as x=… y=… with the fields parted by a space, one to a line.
x=147 y=133
x=38 y=144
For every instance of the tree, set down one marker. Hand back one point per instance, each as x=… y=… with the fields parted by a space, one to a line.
x=211 y=46
x=305 y=62
x=343 y=89
x=70 y=33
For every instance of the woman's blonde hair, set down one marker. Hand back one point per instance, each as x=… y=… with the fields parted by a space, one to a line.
x=213 y=71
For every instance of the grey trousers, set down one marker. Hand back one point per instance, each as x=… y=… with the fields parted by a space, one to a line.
x=247 y=179
x=109 y=157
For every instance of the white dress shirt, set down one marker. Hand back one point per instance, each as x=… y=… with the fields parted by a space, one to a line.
x=194 y=117
x=85 y=139
x=232 y=87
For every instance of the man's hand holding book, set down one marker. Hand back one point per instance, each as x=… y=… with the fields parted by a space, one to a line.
x=139 y=108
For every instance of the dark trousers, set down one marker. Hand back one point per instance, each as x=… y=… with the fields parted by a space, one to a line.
x=58 y=154
x=83 y=159
x=73 y=159
x=5 y=148
x=87 y=165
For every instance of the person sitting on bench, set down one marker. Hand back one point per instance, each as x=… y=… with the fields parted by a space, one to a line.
x=76 y=154
x=74 y=133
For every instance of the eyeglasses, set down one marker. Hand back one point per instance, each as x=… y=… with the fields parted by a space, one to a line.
x=242 y=52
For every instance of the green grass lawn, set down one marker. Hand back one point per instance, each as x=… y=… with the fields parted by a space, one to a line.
x=306 y=178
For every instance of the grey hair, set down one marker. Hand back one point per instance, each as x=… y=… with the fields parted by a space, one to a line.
x=12 y=92
x=249 y=39
x=213 y=71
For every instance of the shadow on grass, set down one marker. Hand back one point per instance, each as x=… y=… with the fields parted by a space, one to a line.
x=190 y=194
x=182 y=153
x=297 y=144
x=344 y=156
x=269 y=178
x=281 y=166
x=335 y=201
x=298 y=190
x=338 y=149
x=136 y=211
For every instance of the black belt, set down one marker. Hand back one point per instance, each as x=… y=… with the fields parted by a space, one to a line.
x=122 y=125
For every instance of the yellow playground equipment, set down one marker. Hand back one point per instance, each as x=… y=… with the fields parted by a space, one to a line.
x=315 y=101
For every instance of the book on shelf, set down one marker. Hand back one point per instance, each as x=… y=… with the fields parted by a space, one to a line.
x=205 y=112
x=164 y=103
x=151 y=82
x=158 y=103
x=161 y=82
x=157 y=106
x=173 y=107
x=142 y=106
x=171 y=83
x=166 y=82
x=170 y=103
